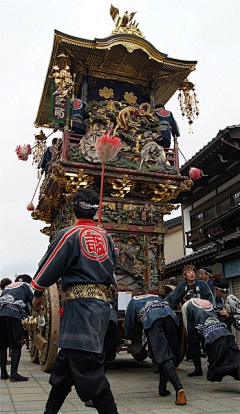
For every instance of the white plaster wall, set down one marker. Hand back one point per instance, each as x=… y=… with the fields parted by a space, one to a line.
x=173 y=247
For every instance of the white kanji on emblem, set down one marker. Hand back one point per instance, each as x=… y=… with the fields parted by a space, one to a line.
x=95 y=244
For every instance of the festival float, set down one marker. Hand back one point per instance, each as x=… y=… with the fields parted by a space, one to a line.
x=100 y=95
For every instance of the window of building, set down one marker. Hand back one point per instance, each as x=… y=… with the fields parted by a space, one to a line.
x=235 y=198
x=209 y=213
x=223 y=205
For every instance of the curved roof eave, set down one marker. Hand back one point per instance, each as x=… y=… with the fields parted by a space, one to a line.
x=116 y=39
x=100 y=48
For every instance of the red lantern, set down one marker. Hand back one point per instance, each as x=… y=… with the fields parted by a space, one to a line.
x=195 y=173
x=23 y=151
x=30 y=207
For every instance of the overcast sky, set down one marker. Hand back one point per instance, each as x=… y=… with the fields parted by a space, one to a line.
x=203 y=30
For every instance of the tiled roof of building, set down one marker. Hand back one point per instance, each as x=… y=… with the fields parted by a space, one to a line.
x=176 y=221
x=207 y=148
x=202 y=256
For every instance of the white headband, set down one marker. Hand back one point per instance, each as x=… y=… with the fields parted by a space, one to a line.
x=224 y=290
x=84 y=205
x=209 y=274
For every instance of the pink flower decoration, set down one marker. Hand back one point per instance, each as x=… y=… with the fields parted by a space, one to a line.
x=195 y=173
x=23 y=151
x=30 y=207
x=108 y=147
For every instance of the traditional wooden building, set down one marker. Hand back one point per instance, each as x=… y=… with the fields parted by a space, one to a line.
x=173 y=237
x=211 y=210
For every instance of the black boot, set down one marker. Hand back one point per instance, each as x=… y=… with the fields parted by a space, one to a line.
x=108 y=410
x=105 y=404
x=198 y=367
x=225 y=370
x=162 y=389
x=15 y=358
x=55 y=400
x=170 y=372
x=53 y=406
x=3 y=363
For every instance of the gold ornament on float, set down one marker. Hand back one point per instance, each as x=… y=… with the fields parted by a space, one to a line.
x=188 y=102
x=106 y=92
x=130 y=97
x=62 y=76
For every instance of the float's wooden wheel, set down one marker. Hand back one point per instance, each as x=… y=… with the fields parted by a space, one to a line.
x=44 y=340
x=33 y=351
x=47 y=339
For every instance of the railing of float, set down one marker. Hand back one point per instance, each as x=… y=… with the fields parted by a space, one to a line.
x=172 y=156
x=70 y=138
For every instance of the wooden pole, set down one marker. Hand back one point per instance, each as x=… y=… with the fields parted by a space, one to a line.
x=101 y=194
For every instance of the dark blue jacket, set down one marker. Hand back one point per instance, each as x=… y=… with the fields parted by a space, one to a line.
x=80 y=254
x=168 y=124
x=14 y=300
x=202 y=290
x=147 y=309
x=199 y=314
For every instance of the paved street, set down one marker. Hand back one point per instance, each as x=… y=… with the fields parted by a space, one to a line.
x=134 y=386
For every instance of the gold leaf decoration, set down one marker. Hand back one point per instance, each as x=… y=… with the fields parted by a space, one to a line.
x=130 y=97
x=106 y=92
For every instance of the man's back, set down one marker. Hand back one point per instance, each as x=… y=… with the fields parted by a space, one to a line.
x=14 y=299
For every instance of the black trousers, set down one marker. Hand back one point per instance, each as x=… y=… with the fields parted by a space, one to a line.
x=10 y=332
x=223 y=352
x=81 y=369
x=193 y=344
x=163 y=341
x=111 y=342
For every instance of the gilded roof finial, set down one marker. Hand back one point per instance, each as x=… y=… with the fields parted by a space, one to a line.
x=124 y=24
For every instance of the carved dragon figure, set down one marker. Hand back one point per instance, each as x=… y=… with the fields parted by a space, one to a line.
x=122 y=120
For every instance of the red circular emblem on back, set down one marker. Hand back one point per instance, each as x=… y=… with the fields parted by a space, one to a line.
x=203 y=303
x=164 y=112
x=77 y=104
x=93 y=244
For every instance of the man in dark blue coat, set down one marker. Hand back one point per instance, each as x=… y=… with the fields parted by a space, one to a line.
x=223 y=354
x=205 y=274
x=160 y=325
x=47 y=156
x=168 y=125
x=202 y=290
x=84 y=257
x=14 y=300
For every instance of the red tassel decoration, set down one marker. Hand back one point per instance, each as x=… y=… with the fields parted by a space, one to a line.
x=30 y=207
x=60 y=311
x=23 y=151
x=195 y=173
x=108 y=147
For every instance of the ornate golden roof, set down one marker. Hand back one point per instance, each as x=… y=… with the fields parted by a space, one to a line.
x=121 y=56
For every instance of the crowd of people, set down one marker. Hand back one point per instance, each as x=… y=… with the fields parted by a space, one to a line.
x=84 y=256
